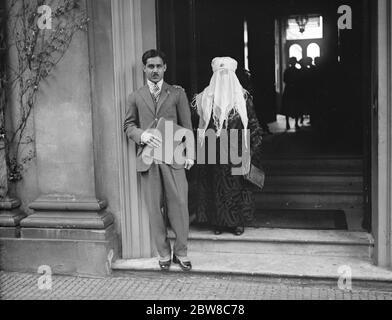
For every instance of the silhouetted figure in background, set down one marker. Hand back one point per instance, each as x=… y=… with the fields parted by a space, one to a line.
x=318 y=63
x=291 y=104
x=305 y=88
x=320 y=106
x=311 y=87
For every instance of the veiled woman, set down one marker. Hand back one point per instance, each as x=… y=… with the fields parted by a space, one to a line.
x=218 y=198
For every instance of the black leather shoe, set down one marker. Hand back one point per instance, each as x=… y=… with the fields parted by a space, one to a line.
x=165 y=265
x=218 y=231
x=238 y=231
x=185 y=266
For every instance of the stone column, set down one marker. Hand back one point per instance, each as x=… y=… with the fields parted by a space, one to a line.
x=133 y=33
x=70 y=230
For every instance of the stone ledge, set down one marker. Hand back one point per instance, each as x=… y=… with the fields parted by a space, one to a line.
x=68 y=212
x=68 y=234
x=64 y=256
x=68 y=220
x=291 y=236
x=67 y=203
x=9 y=204
x=10 y=218
x=9 y=232
x=268 y=265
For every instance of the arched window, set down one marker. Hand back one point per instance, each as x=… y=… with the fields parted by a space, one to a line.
x=296 y=51
x=313 y=51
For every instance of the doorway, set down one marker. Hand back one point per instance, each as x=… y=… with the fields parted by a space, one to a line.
x=317 y=176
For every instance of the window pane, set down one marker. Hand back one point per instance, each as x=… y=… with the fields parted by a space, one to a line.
x=296 y=51
x=313 y=51
x=313 y=29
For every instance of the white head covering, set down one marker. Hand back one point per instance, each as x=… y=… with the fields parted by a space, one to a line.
x=224 y=95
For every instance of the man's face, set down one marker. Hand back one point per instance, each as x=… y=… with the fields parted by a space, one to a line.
x=155 y=69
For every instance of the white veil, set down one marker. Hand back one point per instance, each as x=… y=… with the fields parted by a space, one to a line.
x=224 y=95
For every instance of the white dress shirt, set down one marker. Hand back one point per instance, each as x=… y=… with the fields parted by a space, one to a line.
x=152 y=84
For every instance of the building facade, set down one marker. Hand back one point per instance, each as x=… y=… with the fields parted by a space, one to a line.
x=79 y=206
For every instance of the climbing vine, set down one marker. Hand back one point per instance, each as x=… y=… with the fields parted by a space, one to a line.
x=34 y=37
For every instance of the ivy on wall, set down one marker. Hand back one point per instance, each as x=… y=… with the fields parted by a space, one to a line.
x=34 y=35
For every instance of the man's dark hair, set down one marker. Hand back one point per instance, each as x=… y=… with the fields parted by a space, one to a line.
x=153 y=54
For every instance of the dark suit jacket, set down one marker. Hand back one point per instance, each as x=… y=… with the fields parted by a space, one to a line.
x=142 y=114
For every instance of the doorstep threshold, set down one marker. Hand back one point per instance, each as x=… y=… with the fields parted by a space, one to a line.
x=269 y=265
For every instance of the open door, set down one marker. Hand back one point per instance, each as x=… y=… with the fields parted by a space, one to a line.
x=370 y=97
x=262 y=52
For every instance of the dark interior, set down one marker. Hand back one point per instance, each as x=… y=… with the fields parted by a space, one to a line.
x=193 y=32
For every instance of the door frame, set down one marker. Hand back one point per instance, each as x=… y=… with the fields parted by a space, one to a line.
x=381 y=128
x=382 y=139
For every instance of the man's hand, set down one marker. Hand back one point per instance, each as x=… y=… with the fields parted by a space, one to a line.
x=151 y=140
x=189 y=163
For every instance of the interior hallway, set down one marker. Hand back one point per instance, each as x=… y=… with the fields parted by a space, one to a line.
x=306 y=141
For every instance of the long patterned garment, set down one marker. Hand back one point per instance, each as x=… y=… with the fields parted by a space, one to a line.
x=218 y=198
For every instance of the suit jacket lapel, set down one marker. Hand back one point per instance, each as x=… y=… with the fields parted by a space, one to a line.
x=165 y=92
x=145 y=92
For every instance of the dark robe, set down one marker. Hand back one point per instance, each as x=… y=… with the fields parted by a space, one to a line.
x=218 y=198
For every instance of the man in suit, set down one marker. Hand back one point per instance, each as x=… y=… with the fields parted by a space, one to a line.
x=163 y=185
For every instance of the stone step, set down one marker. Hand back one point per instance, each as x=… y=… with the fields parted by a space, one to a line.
x=313 y=219
x=312 y=184
x=303 y=188
x=306 y=219
x=346 y=181
x=282 y=241
x=312 y=173
x=353 y=166
x=277 y=266
x=309 y=201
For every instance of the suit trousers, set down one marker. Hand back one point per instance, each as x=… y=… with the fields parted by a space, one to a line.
x=166 y=188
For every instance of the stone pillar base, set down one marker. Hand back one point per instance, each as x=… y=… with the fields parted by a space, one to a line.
x=10 y=218
x=66 y=212
x=65 y=251
x=71 y=236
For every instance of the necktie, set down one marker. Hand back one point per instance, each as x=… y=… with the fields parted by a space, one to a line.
x=156 y=92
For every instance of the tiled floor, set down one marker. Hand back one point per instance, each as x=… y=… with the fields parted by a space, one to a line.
x=157 y=286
